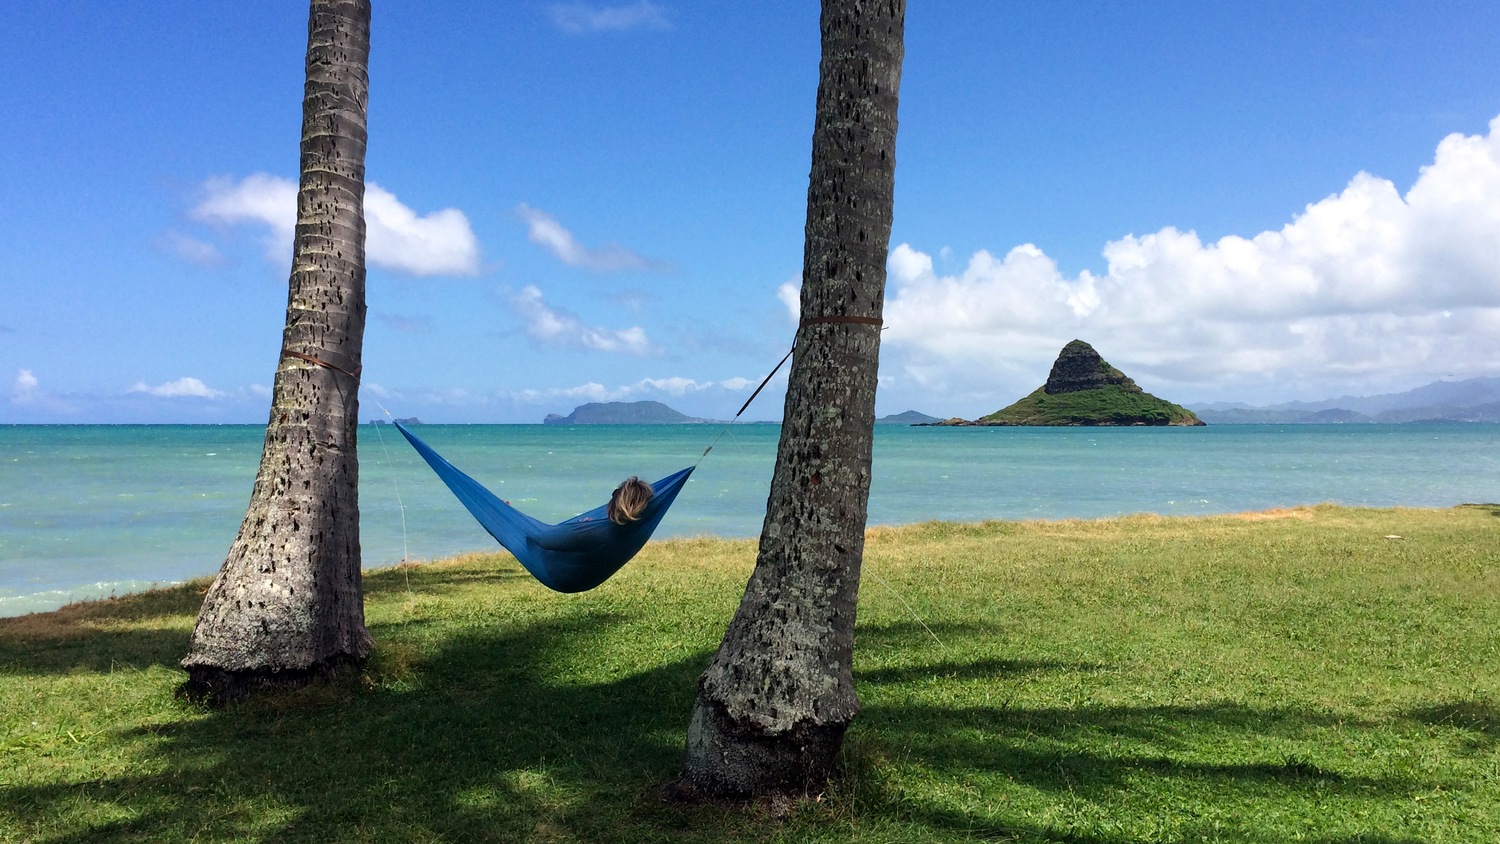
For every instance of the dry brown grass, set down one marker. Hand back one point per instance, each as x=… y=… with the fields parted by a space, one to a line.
x=1303 y=513
x=152 y=608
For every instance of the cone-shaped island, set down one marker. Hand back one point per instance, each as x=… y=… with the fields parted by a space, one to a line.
x=1083 y=389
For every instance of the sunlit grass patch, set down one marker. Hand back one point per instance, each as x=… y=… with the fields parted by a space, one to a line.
x=1290 y=675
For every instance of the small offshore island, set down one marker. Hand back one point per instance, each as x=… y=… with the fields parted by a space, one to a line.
x=1083 y=390
x=623 y=413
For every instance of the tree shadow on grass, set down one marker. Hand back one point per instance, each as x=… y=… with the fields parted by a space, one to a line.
x=1104 y=766
x=983 y=669
x=482 y=743
x=965 y=828
x=100 y=653
x=484 y=738
x=119 y=632
x=910 y=639
x=1095 y=751
x=1477 y=721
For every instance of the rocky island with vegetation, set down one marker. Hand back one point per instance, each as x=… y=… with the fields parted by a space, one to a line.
x=622 y=413
x=910 y=417
x=1083 y=389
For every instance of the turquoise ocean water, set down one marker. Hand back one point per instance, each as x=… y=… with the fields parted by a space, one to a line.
x=87 y=511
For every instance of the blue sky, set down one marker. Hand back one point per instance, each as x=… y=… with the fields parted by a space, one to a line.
x=575 y=202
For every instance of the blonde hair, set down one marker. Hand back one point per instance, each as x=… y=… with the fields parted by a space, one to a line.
x=628 y=500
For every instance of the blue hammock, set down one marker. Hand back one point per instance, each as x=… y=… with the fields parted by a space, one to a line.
x=574 y=556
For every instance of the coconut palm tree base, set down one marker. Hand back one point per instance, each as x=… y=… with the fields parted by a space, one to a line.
x=218 y=688
x=734 y=762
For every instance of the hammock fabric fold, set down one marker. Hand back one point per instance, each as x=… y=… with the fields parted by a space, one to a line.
x=573 y=556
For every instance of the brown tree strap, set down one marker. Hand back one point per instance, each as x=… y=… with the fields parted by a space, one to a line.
x=323 y=363
x=861 y=320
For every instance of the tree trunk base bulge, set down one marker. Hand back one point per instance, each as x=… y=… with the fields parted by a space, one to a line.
x=218 y=687
x=732 y=762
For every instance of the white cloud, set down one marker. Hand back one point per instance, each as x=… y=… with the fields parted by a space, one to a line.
x=545 y=231
x=257 y=198
x=440 y=243
x=426 y=395
x=676 y=386
x=592 y=391
x=185 y=400
x=790 y=294
x=397 y=239
x=190 y=249
x=1365 y=287
x=24 y=388
x=585 y=17
x=556 y=327
x=670 y=387
x=706 y=398
x=177 y=389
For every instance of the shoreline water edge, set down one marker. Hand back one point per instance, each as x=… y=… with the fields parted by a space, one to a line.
x=90 y=511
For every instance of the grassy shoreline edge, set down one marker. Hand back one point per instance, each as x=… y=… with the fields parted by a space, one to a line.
x=1247 y=677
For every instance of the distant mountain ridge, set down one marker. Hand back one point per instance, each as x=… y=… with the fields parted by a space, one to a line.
x=1469 y=400
x=622 y=413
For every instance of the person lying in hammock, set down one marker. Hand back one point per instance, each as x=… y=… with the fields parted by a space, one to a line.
x=627 y=501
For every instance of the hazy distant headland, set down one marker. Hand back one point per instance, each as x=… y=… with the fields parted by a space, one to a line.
x=1471 y=400
x=623 y=413
x=910 y=417
x=1085 y=390
x=656 y=413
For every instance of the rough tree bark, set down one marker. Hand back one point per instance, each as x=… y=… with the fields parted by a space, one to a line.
x=287 y=605
x=775 y=701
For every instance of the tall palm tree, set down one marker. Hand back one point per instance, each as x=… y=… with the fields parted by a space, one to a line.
x=287 y=604
x=775 y=701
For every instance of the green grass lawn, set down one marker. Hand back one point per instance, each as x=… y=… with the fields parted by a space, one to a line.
x=1277 y=677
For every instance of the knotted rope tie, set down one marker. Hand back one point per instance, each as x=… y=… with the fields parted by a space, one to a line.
x=323 y=363
x=860 y=320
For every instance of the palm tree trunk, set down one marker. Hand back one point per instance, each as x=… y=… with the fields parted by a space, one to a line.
x=775 y=701
x=287 y=604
